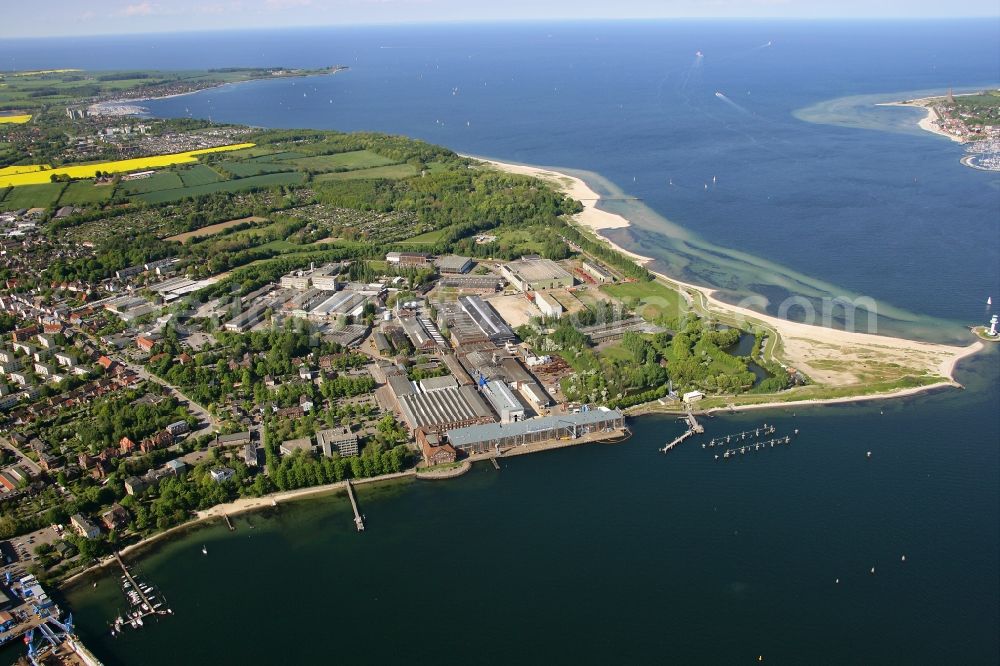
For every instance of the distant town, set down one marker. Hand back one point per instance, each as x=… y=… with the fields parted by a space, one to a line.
x=970 y=118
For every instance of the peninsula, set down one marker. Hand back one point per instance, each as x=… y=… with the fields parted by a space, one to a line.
x=971 y=118
x=203 y=315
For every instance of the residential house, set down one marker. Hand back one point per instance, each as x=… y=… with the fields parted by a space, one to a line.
x=134 y=485
x=84 y=527
x=220 y=474
x=116 y=517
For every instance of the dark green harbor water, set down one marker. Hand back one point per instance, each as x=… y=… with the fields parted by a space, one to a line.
x=618 y=554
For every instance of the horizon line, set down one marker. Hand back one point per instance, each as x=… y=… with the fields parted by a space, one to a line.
x=519 y=21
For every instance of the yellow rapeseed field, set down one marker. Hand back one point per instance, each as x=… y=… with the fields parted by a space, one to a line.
x=44 y=175
x=24 y=168
x=15 y=119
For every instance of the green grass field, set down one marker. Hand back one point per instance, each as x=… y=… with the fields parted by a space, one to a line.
x=266 y=180
x=251 y=168
x=164 y=180
x=391 y=172
x=650 y=299
x=358 y=159
x=199 y=174
x=84 y=193
x=32 y=196
x=283 y=155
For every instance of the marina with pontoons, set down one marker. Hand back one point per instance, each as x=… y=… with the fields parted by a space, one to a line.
x=142 y=600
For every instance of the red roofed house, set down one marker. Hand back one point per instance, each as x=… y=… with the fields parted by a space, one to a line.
x=145 y=343
x=22 y=334
x=434 y=452
x=126 y=445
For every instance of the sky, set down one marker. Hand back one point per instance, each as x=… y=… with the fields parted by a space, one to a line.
x=80 y=17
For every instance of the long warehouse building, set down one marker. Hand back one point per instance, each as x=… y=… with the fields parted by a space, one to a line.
x=501 y=436
x=487 y=319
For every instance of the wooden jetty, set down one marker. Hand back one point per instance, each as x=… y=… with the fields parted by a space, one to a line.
x=694 y=428
x=229 y=522
x=359 y=522
x=693 y=424
x=496 y=465
x=148 y=605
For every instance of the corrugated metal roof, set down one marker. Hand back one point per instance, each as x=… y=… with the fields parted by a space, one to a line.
x=483 y=433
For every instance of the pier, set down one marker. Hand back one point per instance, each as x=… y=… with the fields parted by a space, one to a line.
x=229 y=523
x=693 y=424
x=496 y=465
x=694 y=428
x=140 y=597
x=358 y=520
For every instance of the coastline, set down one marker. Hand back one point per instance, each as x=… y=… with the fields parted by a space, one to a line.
x=929 y=122
x=221 y=84
x=236 y=507
x=802 y=343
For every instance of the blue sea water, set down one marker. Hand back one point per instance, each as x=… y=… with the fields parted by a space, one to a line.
x=887 y=212
x=618 y=553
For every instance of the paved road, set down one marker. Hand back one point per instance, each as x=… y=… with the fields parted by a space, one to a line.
x=22 y=459
x=208 y=421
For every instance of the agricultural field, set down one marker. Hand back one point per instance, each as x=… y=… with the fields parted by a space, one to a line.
x=17 y=120
x=199 y=175
x=22 y=168
x=116 y=166
x=85 y=192
x=357 y=159
x=164 y=180
x=32 y=196
x=266 y=180
x=391 y=172
x=281 y=155
x=250 y=168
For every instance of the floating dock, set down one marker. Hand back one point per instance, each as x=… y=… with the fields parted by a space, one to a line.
x=229 y=522
x=140 y=597
x=359 y=522
x=754 y=447
x=496 y=465
x=764 y=430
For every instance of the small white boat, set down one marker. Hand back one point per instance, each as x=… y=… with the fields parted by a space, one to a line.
x=204 y=550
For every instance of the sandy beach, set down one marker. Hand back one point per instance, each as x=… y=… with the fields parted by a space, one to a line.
x=929 y=121
x=828 y=356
